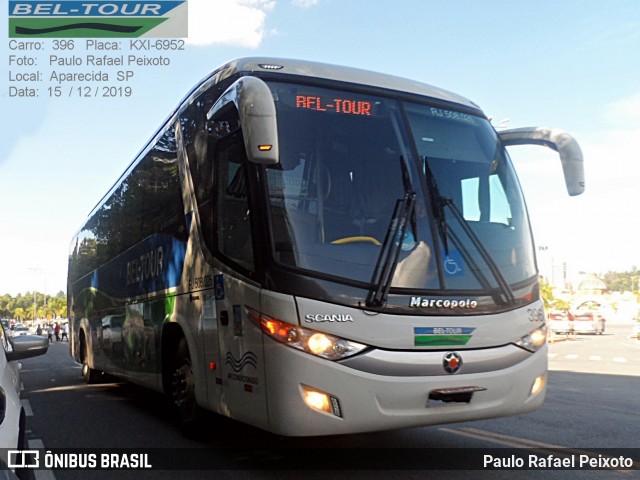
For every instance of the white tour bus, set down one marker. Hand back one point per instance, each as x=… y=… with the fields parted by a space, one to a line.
x=313 y=250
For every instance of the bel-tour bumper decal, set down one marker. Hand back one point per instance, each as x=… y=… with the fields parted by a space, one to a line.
x=98 y=18
x=442 y=336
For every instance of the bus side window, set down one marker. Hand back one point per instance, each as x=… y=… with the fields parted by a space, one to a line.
x=193 y=123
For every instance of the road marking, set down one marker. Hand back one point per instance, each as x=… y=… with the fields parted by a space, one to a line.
x=500 y=438
x=82 y=386
x=592 y=358
x=26 y=405
x=468 y=432
x=36 y=443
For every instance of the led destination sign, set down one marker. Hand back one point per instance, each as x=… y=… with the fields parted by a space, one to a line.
x=348 y=106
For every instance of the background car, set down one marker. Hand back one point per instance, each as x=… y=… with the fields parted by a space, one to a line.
x=20 y=329
x=559 y=322
x=589 y=322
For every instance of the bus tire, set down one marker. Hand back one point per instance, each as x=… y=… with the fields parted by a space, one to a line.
x=89 y=374
x=183 y=392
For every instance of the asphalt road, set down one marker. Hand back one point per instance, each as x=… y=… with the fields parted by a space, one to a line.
x=592 y=403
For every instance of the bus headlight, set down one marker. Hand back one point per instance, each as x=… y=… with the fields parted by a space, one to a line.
x=311 y=341
x=533 y=340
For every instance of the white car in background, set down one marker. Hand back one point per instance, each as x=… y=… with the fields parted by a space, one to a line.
x=20 y=330
x=12 y=415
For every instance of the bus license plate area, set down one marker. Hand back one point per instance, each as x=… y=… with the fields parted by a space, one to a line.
x=452 y=396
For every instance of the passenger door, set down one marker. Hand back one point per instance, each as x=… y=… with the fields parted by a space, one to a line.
x=240 y=340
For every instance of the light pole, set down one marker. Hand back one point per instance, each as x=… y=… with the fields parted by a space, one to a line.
x=35 y=301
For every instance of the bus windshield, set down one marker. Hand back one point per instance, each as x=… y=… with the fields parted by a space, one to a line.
x=348 y=159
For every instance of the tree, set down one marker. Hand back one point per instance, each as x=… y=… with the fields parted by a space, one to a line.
x=57 y=307
x=549 y=299
x=623 y=281
x=21 y=307
x=5 y=302
x=546 y=292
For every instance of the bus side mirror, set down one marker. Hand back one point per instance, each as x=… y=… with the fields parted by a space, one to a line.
x=558 y=140
x=257 y=112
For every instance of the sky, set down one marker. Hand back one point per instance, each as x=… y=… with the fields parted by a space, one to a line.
x=572 y=64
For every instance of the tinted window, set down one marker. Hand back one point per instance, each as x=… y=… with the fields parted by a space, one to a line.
x=147 y=201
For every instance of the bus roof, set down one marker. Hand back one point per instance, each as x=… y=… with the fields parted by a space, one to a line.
x=338 y=73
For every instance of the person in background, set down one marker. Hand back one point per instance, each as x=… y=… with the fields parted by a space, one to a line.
x=571 y=332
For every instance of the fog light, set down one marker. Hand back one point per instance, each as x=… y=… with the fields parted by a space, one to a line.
x=538 y=385
x=319 y=400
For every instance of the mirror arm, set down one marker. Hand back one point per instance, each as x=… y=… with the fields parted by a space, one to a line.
x=558 y=140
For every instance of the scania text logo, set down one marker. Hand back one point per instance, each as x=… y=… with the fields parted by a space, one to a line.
x=452 y=362
x=311 y=318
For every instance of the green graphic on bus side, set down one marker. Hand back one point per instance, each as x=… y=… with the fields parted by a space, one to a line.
x=169 y=306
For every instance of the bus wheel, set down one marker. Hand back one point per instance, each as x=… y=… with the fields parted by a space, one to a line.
x=89 y=374
x=183 y=392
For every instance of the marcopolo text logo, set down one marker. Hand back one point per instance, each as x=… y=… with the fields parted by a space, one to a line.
x=98 y=18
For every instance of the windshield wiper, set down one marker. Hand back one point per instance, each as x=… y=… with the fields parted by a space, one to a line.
x=390 y=252
x=505 y=289
x=392 y=244
x=439 y=205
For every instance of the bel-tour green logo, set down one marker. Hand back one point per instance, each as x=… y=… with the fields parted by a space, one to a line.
x=98 y=18
x=442 y=336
